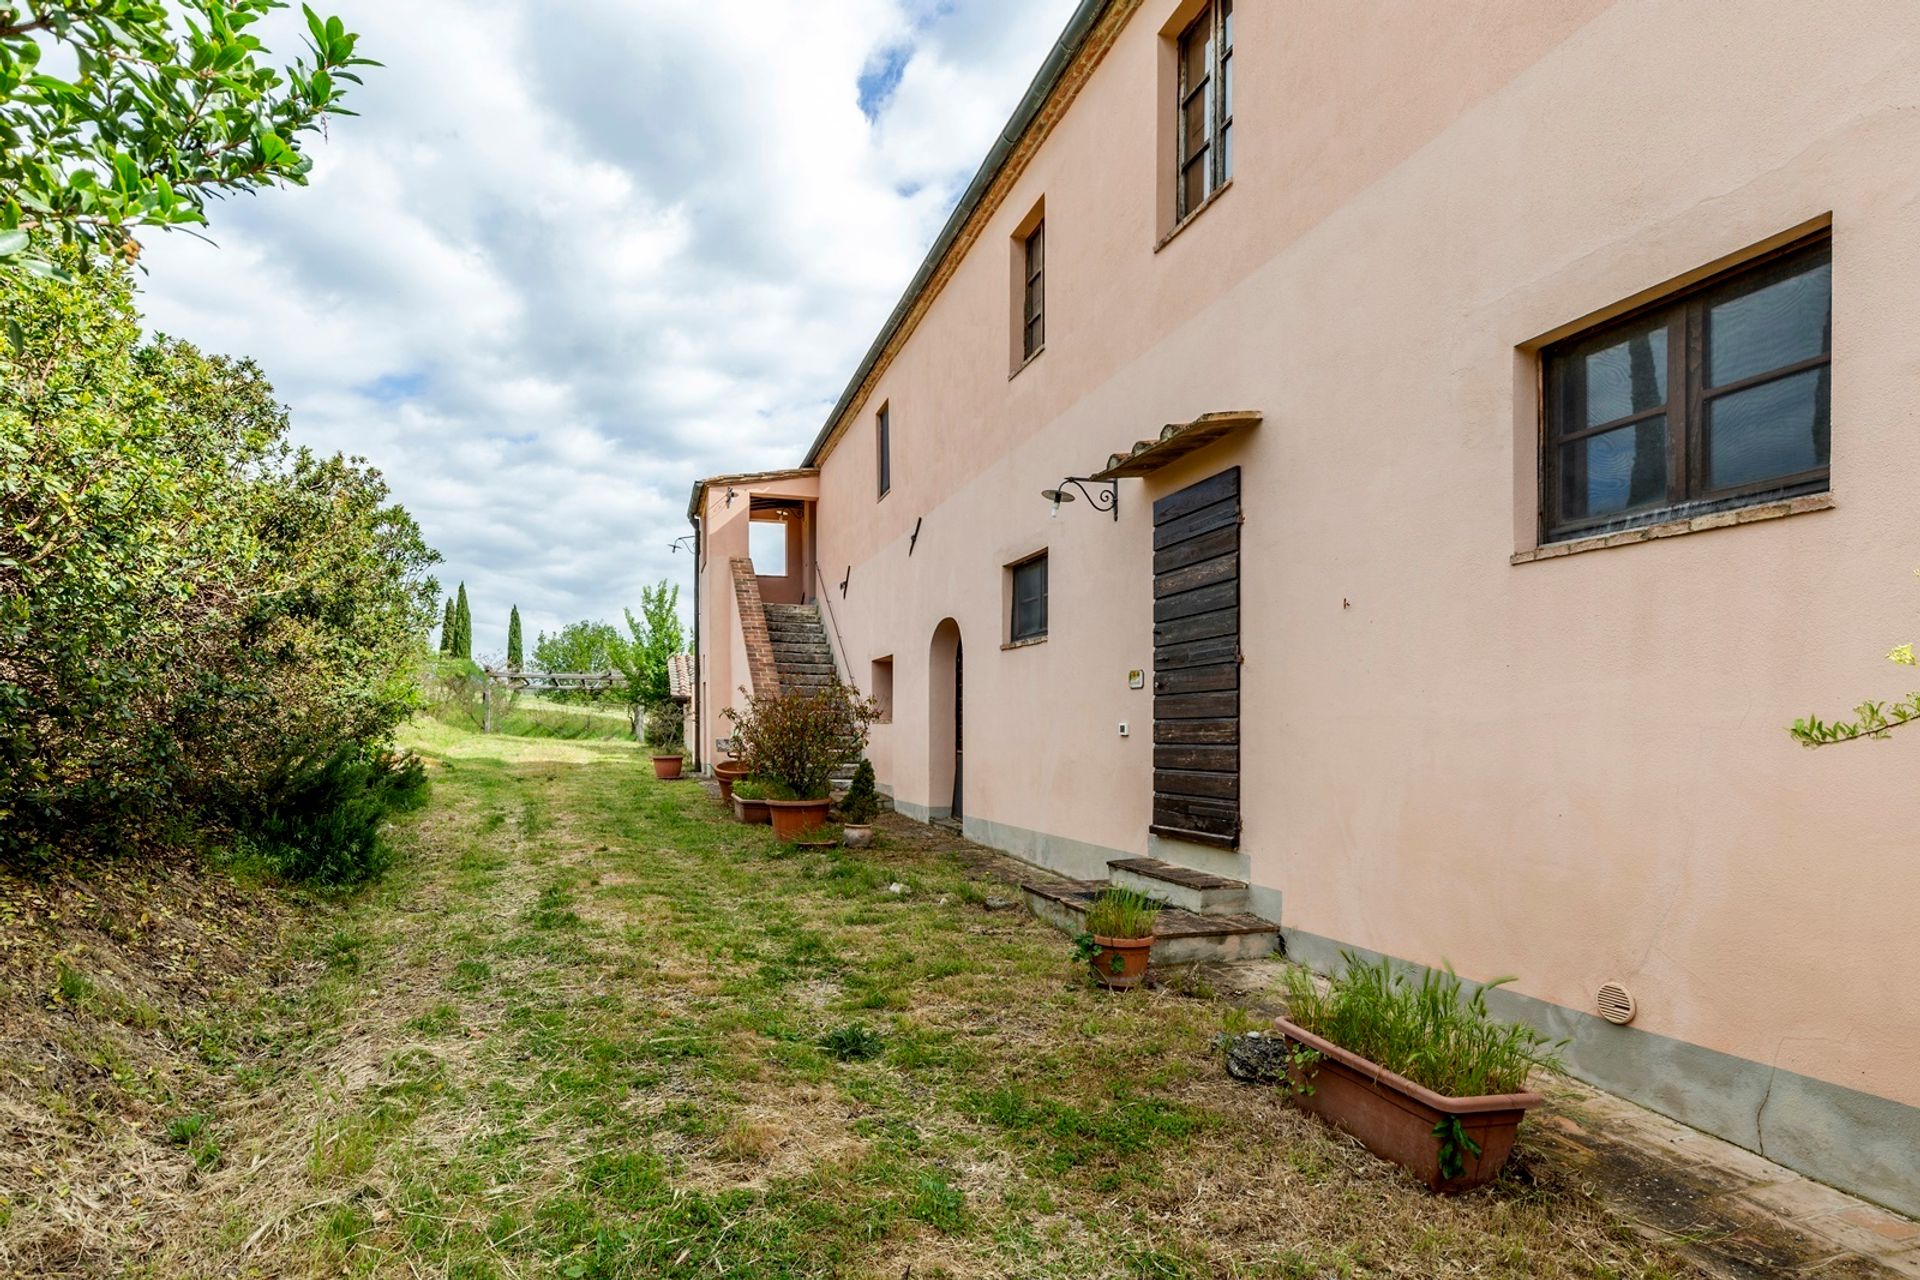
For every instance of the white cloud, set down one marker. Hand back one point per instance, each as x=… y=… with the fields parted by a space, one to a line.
x=560 y=267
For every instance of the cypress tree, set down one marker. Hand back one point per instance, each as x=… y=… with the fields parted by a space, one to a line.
x=446 y=631
x=513 y=640
x=462 y=626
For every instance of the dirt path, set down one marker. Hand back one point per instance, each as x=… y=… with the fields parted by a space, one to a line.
x=592 y=1028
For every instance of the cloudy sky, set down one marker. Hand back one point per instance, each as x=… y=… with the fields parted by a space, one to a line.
x=572 y=256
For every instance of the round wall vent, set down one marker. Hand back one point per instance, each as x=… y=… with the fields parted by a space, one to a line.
x=1616 y=1003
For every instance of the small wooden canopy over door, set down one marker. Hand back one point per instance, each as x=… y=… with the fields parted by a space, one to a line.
x=1196 y=662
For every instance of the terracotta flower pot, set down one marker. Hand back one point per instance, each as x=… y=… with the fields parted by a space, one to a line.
x=1120 y=963
x=726 y=773
x=858 y=835
x=1396 y=1119
x=667 y=767
x=750 y=811
x=794 y=818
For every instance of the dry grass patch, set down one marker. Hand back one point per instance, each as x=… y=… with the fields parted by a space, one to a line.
x=593 y=1028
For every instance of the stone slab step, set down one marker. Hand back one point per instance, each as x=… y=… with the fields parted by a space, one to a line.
x=1183 y=887
x=1179 y=936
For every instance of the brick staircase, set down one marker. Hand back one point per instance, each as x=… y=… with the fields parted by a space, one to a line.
x=1204 y=918
x=801 y=656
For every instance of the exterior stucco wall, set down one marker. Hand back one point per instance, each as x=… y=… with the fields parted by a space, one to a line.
x=1573 y=770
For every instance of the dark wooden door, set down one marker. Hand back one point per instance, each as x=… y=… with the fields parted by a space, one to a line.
x=959 y=722
x=1196 y=662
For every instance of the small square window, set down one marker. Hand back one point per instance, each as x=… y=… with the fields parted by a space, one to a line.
x=1028 y=615
x=1715 y=399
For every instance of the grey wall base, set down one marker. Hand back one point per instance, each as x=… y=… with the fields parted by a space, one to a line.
x=1075 y=858
x=1859 y=1142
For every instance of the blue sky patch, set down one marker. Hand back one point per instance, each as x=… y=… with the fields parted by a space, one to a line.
x=881 y=77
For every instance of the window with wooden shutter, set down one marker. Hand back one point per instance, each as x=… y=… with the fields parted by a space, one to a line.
x=1196 y=662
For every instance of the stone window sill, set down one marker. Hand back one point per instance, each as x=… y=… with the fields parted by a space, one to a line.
x=1028 y=643
x=1674 y=528
x=1194 y=214
x=1022 y=366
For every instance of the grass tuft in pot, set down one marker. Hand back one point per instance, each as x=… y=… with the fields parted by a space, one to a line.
x=1117 y=936
x=1429 y=1031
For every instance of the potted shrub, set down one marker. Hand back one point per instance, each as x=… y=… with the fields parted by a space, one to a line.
x=858 y=807
x=794 y=743
x=666 y=731
x=1118 y=937
x=750 y=801
x=1420 y=1075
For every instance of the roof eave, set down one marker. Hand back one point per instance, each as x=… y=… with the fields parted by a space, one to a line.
x=1059 y=59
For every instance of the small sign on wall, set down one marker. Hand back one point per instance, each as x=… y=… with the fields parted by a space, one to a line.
x=1136 y=679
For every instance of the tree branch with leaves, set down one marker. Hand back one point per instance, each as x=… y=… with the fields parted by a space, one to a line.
x=1870 y=719
x=153 y=120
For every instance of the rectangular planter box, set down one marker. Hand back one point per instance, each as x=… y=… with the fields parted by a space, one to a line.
x=751 y=811
x=1394 y=1118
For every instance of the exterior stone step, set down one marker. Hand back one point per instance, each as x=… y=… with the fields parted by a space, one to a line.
x=1183 y=887
x=1179 y=936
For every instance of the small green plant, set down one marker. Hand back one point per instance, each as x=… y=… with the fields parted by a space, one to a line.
x=1454 y=1142
x=828 y=834
x=1430 y=1031
x=751 y=789
x=862 y=800
x=853 y=1042
x=191 y=1132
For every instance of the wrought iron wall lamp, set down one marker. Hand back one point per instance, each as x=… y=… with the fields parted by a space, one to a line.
x=685 y=542
x=1103 y=497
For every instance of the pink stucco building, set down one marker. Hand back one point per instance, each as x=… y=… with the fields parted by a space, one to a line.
x=1538 y=392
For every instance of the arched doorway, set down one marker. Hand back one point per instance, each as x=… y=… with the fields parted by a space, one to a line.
x=946 y=723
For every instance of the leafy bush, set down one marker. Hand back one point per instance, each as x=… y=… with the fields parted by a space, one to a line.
x=1425 y=1031
x=322 y=823
x=862 y=800
x=1122 y=913
x=799 y=739
x=188 y=605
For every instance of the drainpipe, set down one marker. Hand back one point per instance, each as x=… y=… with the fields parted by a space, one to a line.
x=699 y=668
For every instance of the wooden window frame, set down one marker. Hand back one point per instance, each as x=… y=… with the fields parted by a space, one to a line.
x=883 y=450
x=1213 y=24
x=1686 y=409
x=1033 y=315
x=1014 y=634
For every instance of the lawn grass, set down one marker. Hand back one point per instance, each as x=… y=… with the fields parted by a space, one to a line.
x=590 y=1027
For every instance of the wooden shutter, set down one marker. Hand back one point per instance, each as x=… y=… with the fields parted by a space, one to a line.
x=1196 y=662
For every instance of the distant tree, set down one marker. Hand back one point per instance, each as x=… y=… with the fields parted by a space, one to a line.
x=513 y=639
x=656 y=636
x=447 y=624
x=578 y=646
x=136 y=122
x=462 y=626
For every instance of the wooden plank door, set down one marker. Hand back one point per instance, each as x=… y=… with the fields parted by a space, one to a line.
x=1196 y=662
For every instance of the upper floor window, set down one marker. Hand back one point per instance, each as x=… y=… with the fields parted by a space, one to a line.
x=1717 y=398
x=1205 y=106
x=1028 y=615
x=1033 y=333
x=883 y=448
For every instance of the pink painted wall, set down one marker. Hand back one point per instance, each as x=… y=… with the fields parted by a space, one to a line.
x=1573 y=770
